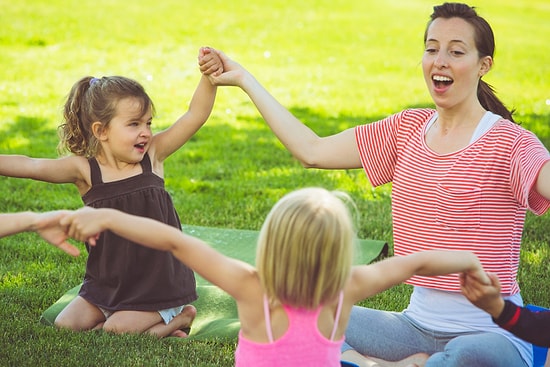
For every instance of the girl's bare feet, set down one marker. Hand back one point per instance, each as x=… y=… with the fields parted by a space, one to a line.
x=184 y=319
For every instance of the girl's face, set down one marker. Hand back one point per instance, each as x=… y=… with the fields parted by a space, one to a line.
x=451 y=63
x=129 y=132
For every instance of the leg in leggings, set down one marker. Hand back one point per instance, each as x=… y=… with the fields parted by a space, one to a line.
x=385 y=335
x=393 y=336
x=483 y=350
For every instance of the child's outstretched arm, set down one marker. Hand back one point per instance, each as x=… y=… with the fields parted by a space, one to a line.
x=338 y=151
x=229 y=274
x=62 y=170
x=168 y=141
x=368 y=280
x=45 y=224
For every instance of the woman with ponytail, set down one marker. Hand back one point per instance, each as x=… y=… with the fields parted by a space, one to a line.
x=463 y=175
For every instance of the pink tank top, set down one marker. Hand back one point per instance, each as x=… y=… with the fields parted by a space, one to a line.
x=301 y=345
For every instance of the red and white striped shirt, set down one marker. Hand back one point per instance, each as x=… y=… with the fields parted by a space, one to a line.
x=473 y=199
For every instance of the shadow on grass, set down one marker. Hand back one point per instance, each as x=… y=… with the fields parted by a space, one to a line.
x=28 y=135
x=230 y=174
x=34 y=137
x=255 y=144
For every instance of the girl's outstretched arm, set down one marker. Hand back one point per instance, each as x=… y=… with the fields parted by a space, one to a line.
x=229 y=274
x=338 y=151
x=168 y=141
x=69 y=169
x=45 y=224
x=368 y=280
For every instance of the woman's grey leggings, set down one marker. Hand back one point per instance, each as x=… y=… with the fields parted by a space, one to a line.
x=393 y=336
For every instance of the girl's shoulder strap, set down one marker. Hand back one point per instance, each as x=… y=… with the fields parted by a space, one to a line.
x=267 y=317
x=337 y=316
x=146 y=163
x=95 y=171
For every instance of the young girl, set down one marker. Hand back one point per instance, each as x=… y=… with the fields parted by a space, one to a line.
x=118 y=163
x=295 y=304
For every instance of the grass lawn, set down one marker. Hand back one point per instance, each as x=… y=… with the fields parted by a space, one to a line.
x=334 y=64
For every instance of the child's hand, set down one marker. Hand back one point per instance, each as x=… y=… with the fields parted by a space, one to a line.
x=210 y=62
x=233 y=74
x=84 y=224
x=48 y=226
x=482 y=294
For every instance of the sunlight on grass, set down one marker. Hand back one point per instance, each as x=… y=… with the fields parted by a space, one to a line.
x=12 y=281
x=537 y=256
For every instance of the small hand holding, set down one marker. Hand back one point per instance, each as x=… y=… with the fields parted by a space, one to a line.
x=210 y=62
x=48 y=226
x=84 y=225
x=485 y=295
x=233 y=73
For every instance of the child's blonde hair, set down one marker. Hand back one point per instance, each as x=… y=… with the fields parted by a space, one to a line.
x=305 y=247
x=95 y=99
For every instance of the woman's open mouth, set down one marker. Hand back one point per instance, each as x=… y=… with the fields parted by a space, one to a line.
x=441 y=83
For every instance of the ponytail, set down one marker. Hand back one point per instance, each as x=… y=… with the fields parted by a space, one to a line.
x=75 y=133
x=489 y=101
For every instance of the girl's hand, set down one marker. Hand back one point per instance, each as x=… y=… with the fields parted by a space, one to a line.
x=210 y=62
x=85 y=224
x=48 y=226
x=233 y=74
x=483 y=295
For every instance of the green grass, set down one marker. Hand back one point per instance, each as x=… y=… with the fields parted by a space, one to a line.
x=333 y=63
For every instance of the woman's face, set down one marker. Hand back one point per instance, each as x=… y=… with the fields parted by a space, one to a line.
x=451 y=63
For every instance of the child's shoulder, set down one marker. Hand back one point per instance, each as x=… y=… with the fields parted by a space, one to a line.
x=75 y=160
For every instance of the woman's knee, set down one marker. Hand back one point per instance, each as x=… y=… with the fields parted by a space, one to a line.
x=382 y=334
x=484 y=350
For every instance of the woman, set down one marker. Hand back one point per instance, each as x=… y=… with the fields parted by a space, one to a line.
x=464 y=175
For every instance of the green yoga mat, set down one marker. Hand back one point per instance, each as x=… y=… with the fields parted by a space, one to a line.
x=216 y=310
